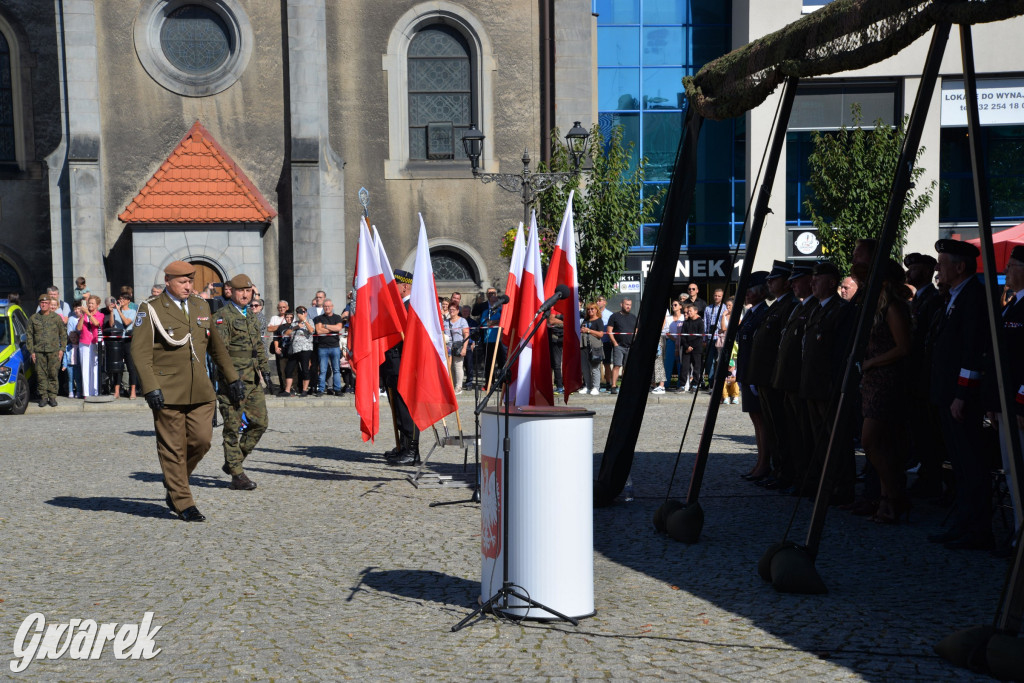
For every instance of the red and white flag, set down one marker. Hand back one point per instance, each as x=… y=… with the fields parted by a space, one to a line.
x=366 y=355
x=515 y=276
x=423 y=380
x=397 y=305
x=562 y=271
x=532 y=383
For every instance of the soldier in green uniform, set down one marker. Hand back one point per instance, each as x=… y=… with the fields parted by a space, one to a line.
x=240 y=330
x=46 y=339
x=169 y=345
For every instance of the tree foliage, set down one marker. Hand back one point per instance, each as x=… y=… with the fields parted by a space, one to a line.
x=851 y=176
x=608 y=210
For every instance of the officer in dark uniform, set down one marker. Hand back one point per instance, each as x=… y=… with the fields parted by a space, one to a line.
x=1012 y=330
x=763 y=356
x=757 y=291
x=961 y=355
x=407 y=451
x=173 y=331
x=825 y=344
x=799 y=439
x=46 y=339
x=923 y=432
x=241 y=331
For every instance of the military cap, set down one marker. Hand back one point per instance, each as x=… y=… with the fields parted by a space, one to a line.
x=779 y=269
x=1018 y=253
x=43 y=297
x=957 y=248
x=759 y=277
x=825 y=268
x=241 y=281
x=800 y=270
x=403 y=276
x=916 y=259
x=179 y=269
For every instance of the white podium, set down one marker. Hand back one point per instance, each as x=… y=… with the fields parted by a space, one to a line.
x=550 y=506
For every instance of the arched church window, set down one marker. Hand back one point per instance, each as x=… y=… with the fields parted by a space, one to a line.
x=451 y=267
x=440 y=93
x=7 y=146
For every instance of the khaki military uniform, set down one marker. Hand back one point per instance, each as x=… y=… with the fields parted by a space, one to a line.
x=47 y=338
x=241 y=335
x=166 y=359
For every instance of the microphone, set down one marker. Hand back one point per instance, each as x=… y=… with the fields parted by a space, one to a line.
x=561 y=292
x=503 y=299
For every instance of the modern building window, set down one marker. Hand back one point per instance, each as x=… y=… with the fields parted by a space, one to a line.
x=440 y=93
x=1002 y=149
x=644 y=49
x=825 y=107
x=8 y=153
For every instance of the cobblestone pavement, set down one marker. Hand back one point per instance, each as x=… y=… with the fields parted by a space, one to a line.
x=336 y=567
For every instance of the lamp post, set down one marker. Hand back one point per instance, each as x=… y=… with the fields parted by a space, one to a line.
x=527 y=183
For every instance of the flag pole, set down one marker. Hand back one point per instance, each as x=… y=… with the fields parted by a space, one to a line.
x=494 y=357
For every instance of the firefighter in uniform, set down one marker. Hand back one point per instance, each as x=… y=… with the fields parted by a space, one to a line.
x=239 y=329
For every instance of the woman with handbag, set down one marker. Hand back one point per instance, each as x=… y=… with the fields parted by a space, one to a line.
x=592 y=351
x=456 y=330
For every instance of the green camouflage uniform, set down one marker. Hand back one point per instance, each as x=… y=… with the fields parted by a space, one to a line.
x=241 y=334
x=47 y=337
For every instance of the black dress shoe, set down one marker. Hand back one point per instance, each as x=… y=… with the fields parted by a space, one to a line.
x=240 y=482
x=407 y=456
x=192 y=514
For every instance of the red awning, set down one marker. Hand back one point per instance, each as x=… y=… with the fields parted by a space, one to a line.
x=1003 y=243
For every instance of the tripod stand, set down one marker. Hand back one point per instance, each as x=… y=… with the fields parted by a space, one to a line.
x=500 y=600
x=475 y=498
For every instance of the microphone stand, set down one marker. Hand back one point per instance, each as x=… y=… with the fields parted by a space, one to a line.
x=499 y=601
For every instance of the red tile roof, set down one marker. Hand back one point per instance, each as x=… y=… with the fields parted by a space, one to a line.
x=199 y=183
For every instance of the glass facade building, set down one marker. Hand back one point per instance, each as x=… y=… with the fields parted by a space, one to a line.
x=644 y=49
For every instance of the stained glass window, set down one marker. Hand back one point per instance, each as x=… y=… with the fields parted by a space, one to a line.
x=440 y=93
x=195 y=39
x=6 y=103
x=451 y=267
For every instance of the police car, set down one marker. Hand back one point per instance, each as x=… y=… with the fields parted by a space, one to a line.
x=15 y=367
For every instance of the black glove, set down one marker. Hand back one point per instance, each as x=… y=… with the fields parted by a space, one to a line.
x=155 y=399
x=236 y=391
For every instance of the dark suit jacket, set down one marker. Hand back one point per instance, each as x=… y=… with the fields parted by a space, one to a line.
x=766 y=340
x=787 y=366
x=1012 y=330
x=961 y=351
x=826 y=343
x=393 y=358
x=745 y=338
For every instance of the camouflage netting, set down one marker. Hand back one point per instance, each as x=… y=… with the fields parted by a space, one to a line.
x=843 y=35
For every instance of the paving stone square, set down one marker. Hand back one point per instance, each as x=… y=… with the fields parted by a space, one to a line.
x=336 y=567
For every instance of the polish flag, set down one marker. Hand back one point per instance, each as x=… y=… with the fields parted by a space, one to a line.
x=562 y=271
x=532 y=384
x=515 y=276
x=366 y=354
x=423 y=380
x=397 y=305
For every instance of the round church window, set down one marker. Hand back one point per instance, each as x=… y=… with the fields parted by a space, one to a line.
x=195 y=39
x=194 y=48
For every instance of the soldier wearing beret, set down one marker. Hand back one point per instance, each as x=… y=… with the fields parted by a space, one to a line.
x=763 y=355
x=407 y=452
x=240 y=330
x=1011 y=328
x=961 y=352
x=172 y=336
x=45 y=339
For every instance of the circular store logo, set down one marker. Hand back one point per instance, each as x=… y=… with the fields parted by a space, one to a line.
x=806 y=243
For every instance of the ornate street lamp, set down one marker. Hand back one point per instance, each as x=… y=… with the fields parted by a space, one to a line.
x=526 y=182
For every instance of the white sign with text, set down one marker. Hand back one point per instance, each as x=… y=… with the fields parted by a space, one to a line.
x=1000 y=102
